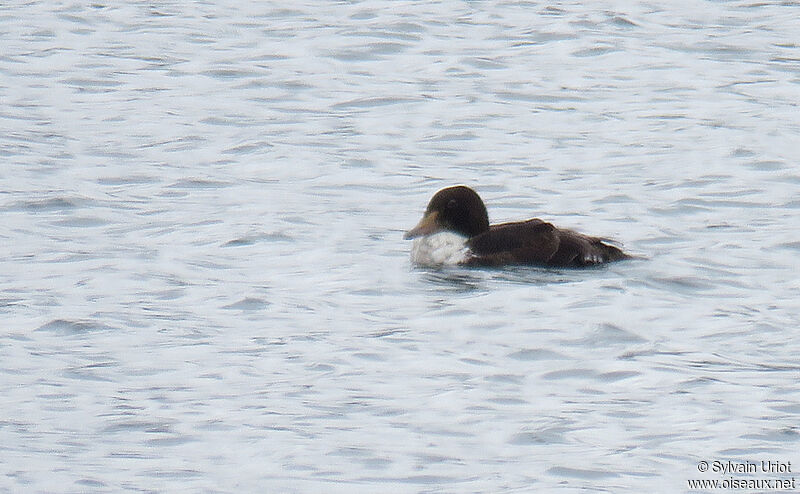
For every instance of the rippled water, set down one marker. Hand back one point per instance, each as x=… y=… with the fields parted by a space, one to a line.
x=205 y=289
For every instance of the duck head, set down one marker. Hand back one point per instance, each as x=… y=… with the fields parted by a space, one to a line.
x=456 y=209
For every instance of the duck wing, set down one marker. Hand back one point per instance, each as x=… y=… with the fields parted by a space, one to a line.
x=578 y=250
x=523 y=242
x=540 y=243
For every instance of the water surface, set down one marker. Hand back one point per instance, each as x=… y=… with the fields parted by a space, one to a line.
x=204 y=283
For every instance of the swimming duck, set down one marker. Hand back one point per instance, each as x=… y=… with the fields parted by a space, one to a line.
x=455 y=230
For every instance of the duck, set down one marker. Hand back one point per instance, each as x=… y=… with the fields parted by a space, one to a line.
x=455 y=230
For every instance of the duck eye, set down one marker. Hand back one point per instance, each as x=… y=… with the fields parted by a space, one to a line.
x=452 y=204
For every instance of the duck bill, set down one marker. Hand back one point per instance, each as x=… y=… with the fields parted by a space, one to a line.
x=427 y=225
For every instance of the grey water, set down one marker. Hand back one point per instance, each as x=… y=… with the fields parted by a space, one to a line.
x=205 y=286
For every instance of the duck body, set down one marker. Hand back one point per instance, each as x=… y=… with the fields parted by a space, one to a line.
x=455 y=230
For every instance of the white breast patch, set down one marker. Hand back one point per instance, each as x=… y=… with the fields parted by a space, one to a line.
x=443 y=248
